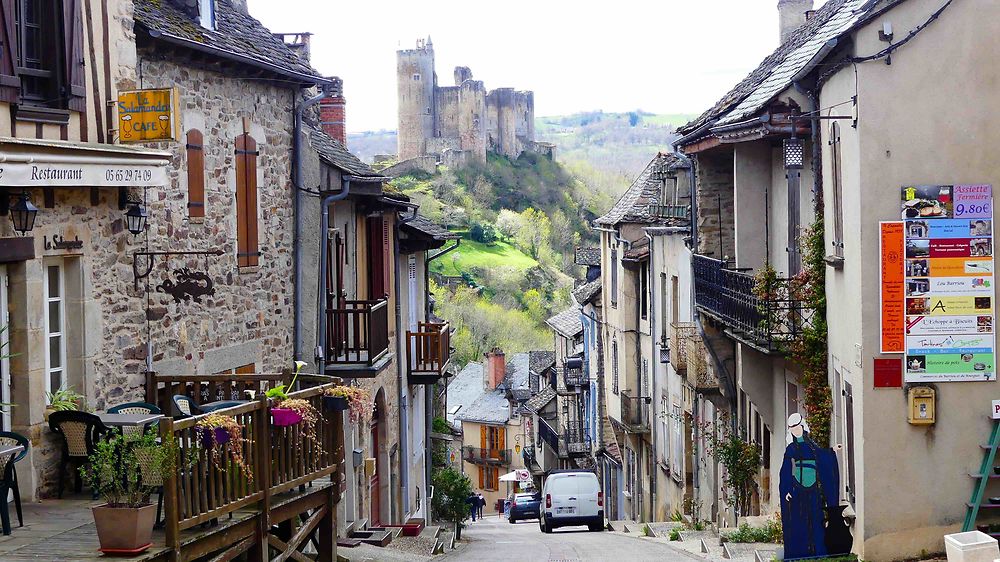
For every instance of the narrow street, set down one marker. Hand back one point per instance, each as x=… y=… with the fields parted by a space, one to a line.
x=496 y=539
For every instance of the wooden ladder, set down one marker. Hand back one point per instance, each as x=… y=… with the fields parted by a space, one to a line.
x=981 y=478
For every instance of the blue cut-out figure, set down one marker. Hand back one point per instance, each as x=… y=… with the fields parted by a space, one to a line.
x=809 y=483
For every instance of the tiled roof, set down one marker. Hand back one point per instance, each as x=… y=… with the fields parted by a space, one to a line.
x=633 y=205
x=567 y=323
x=587 y=256
x=237 y=36
x=516 y=373
x=638 y=251
x=839 y=19
x=749 y=85
x=584 y=293
x=490 y=407
x=423 y=225
x=337 y=155
x=538 y=361
x=538 y=401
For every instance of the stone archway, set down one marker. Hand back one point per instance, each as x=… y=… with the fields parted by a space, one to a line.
x=378 y=482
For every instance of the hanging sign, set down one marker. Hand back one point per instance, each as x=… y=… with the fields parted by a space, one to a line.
x=949 y=283
x=148 y=115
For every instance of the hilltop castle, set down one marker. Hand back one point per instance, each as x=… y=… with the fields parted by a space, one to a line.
x=459 y=122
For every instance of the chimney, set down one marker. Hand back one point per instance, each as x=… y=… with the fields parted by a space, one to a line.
x=496 y=368
x=791 y=15
x=298 y=43
x=240 y=5
x=332 y=113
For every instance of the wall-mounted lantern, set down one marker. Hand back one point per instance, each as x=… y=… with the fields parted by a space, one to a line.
x=23 y=213
x=794 y=153
x=135 y=218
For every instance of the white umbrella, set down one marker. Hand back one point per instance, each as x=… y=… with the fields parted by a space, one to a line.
x=509 y=477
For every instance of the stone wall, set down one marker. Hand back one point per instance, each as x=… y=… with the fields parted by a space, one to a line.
x=415 y=91
x=714 y=191
x=426 y=164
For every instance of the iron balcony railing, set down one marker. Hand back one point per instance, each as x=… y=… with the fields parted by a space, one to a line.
x=670 y=211
x=761 y=313
x=576 y=438
x=635 y=412
x=486 y=456
x=429 y=351
x=576 y=377
x=357 y=333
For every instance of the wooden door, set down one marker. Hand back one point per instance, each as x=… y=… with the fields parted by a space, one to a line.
x=375 y=510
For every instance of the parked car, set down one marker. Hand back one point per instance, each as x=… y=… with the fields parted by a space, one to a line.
x=571 y=497
x=524 y=506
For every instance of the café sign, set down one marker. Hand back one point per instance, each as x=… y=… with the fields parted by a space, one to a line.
x=148 y=115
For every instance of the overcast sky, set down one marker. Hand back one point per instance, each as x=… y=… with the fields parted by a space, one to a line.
x=665 y=56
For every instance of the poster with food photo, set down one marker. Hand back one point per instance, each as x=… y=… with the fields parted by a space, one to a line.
x=927 y=202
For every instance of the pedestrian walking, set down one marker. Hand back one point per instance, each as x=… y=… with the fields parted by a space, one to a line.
x=481 y=504
x=473 y=502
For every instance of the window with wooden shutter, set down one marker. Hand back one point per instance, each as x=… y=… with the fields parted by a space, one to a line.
x=9 y=84
x=483 y=437
x=482 y=480
x=196 y=174
x=247 y=252
x=76 y=82
x=378 y=257
x=501 y=438
x=45 y=69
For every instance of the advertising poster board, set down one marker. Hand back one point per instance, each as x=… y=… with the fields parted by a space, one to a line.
x=892 y=300
x=948 y=295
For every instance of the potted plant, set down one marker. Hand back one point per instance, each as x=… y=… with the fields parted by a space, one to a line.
x=62 y=400
x=125 y=520
x=355 y=398
x=291 y=411
x=223 y=436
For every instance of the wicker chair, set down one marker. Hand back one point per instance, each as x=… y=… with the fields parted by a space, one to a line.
x=81 y=431
x=135 y=408
x=152 y=478
x=9 y=478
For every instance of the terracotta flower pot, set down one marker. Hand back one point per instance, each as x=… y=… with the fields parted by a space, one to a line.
x=283 y=417
x=215 y=436
x=124 y=529
x=335 y=403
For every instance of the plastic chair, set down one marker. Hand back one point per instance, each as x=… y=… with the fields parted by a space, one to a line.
x=185 y=407
x=80 y=431
x=135 y=408
x=9 y=479
x=152 y=478
x=220 y=405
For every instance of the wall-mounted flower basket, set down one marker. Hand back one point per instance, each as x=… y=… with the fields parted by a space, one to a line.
x=284 y=417
x=335 y=404
x=214 y=436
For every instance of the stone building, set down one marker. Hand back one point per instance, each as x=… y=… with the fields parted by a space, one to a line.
x=461 y=122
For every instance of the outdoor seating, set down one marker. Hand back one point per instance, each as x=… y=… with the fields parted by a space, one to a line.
x=152 y=478
x=81 y=431
x=220 y=405
x=185 y=407
x=135 y=408
x=8 y=482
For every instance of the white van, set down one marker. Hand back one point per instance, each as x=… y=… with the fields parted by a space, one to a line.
x=571 y=497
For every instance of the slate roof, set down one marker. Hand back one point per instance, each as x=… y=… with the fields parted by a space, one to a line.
x=584 y=293
x=464 y=388
x=753 y=86
x=335 y=154
x=587 y=256
x=517 y=375
x=423 y=225
x=633 y=205
x=538 y=401
x=567 y=323
x=491 y=407
x=538 y=361
x=638 y=251
x=237 y=36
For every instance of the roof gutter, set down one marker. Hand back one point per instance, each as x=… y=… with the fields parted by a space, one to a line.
x=307 y=79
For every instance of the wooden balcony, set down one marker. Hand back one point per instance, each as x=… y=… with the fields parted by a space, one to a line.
x=476 y=455
x=428 y=352
x=357 y=339
x=208 y=388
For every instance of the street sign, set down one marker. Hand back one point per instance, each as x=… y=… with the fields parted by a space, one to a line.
x=996 y=409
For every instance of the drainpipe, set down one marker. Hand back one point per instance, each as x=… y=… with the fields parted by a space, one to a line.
x=345 y=190
x=652 y=357
x=297 y=214
x=428 y=394
x=401 y=362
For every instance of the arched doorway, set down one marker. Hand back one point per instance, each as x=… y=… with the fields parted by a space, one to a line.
x=378 y=436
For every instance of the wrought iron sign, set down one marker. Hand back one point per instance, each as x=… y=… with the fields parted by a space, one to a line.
x=61 y=243
x=189 y=285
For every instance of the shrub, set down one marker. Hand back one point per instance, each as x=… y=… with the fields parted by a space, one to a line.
x=770 y=532
x=675 y=534
x=451 y=490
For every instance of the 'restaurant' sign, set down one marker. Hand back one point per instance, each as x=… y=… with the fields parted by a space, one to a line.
x=949 y=328
x=893 y=316
x=148 y=115
x=42 y=174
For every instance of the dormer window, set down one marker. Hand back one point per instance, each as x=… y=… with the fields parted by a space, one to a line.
x=206 y=13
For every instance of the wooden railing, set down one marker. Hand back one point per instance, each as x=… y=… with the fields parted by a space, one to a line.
x=207 y=487
x=207 y=388
x=358 y=333
x=428 y=349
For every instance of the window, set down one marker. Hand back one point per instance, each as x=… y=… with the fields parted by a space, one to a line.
x=489 y=478
x=45 y=69
x=55 y=324
x=379 y=257
x=664 y=434
x=849 y=446
x=644 y=290
x=614 y=277
x=246 y=201
x=645 y=377
x=677 y=454
x=195 y=174
x=206 y=13
x=416 y=77
x=838 y=192
x=663 y=309
x=614 y=366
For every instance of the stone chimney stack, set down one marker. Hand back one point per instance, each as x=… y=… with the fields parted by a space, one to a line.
x=496 y=368
x=332 y=113
x=240 y=5
x=791 y=16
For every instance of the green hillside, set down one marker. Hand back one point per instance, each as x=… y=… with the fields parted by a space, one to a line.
x=472 y=255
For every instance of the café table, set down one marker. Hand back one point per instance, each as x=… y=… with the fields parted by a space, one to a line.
x=122 y=421
x=220 y=404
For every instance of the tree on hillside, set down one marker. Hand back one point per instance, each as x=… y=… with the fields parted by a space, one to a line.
x=451 y=490
x=508 y=223
x=534 y=231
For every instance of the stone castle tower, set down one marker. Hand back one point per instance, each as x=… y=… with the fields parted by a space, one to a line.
x=459 y=122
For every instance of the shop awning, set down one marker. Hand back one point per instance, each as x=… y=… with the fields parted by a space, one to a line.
x=516 y=476
x=49 y=163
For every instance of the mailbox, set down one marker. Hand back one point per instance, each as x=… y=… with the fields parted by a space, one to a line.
x=921 y=399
